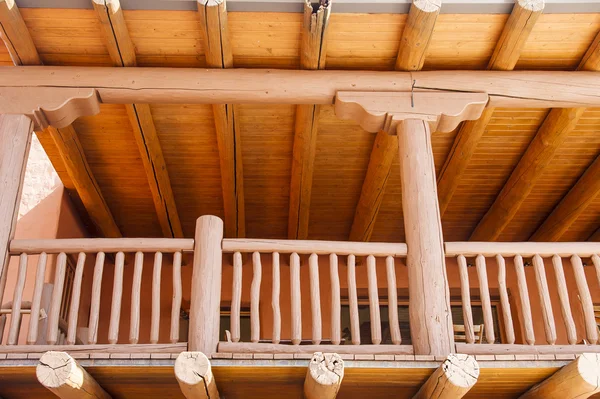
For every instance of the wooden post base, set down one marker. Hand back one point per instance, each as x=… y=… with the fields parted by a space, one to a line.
x=60 y=374
x=453 y=379
x=195 y=377
x=324 y=376
x=579 y=379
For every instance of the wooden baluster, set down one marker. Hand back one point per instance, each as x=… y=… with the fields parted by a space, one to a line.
x=315 y=298
x=591 y=328
x=466 y=299
x=54 y=312
x=95 y=303
x=36 y=300
x=563 y=295
x=353 y=301
x=275 y=300
x=177 y=295
x=74 y=308
x=542 y=285
x=296 y=300
x=373 y=301
x=236 y=297
x=336 y=307
x=15 y=317
x=486 y=304
x=255 y=298
x=392 y=301
x=2 y=326
x=524 y=299
x=155 y=319
x=136 y=291
x=117 y=295
x=596 y=261
x=509 y=330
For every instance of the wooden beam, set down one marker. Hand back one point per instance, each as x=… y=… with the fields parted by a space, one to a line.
x=194 y=375
x=579 y=379
x=514 y=36
x=452 y=380
x=16 y=36
x=550 y=136
x=15 y=139
x=122 y=53
x=312 y=56
x=65 y=378
x=324 y=376
x=217 y=48
x=571 y=206
x=411 y=57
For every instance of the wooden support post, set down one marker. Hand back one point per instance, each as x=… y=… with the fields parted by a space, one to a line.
x=215 y=32
x=324 y=376
x=205 y=304
x=508 y=49
x=65 y=378
x=429 y=309
x=15 y=138
x=579 y=379
x=312 y=56
x=195 y=377
x=452 y=380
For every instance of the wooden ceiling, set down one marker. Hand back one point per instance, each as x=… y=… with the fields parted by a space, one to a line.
x=188 y=137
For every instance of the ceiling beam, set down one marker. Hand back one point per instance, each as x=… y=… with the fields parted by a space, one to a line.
x=122 y=53
x=312 y=56
x=17 y=39
x=571 y=206
x=550 y=136
x=411 y=57
x=452 y=380
x=506 y=54
x=217 y=48
x=324 y=376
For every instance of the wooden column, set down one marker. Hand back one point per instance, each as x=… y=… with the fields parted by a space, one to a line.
x=453 y=379
x=429 y=308
x=15 y=138
x=324 y=376
x=205 y=304
x=578 y=379
x=61 y=375
x=195 y=377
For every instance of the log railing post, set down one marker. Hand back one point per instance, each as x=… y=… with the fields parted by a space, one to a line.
x=429 y=307
x=206 y=285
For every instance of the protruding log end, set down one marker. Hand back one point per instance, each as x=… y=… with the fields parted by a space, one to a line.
x=428 y=5
x=532 y=5
x=195 y=377
x=453 y=379
x=324 y=376
x=60 y=373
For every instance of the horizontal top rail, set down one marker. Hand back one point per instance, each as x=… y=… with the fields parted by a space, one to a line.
x=315 y=247
x=526 y=249
x=91 y=245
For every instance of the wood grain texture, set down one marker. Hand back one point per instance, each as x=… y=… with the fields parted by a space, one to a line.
x=117 y=295
x=275 y=297
x=544 y=293
x=255 y=297
x=155 y=315
x=16 y=36
x=417 y=34
x=32 y=334
x=563 y=295
x=236 y=297
x=52 y=331
x=465 y=293
x=75 y=300
x=195 y=377
x=324 y=376
x=136 y=292
x=591 y=327
x=509 y=330
x=295 y=299
x=486 y=305
x=528 y=332
x=315 y=298
x=453 y=379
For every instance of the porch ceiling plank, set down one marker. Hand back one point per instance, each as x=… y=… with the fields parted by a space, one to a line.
x=453 y=379
x=312 y=56
x=550 y=136
x=122 y=54
x=595 y=236
x=571 y=206
x=18 y=40
x=217 y=47
x=523 y=18
x=411 y=57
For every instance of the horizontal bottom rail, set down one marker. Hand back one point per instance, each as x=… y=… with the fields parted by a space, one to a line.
x=505 y=349
x=124 y=348
x=244 y=347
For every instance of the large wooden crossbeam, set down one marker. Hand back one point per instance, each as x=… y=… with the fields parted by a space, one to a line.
x=312 y=56
x=122 y=54
x=550 y=136
x=411 y=57
x=452 y=380
x=17 y=39
x=213 y=24
x=524 y=15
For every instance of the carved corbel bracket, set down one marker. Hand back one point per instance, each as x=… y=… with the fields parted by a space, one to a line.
x=50 y=106
x=375 y=111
